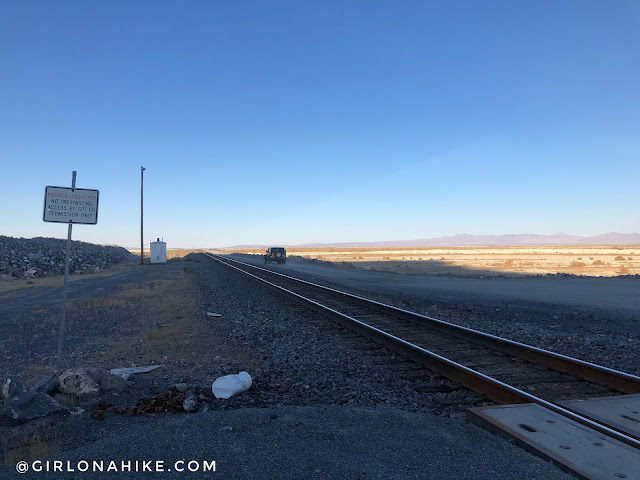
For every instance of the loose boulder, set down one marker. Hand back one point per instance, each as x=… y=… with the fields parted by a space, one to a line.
x=48 y=384
x=27 y=406
x=10 y=388
x=79 y=382
x=112 y=383
x=190 y=403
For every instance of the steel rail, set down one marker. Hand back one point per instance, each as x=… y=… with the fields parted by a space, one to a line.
x=494 y=389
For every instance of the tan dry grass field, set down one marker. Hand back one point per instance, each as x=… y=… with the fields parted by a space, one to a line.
x=596 y=260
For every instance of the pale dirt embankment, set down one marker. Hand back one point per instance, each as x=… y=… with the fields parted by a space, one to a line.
x=597 y=260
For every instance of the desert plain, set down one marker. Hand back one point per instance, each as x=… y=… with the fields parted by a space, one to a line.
x=514 y=261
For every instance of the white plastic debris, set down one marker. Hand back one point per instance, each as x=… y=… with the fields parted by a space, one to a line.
x=125 y=372
x=229 y=385
x=211 y=314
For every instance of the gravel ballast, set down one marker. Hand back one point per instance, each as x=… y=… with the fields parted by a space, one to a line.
x=316 y=443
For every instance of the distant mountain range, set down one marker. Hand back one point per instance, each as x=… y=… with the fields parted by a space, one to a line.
x=466 y=240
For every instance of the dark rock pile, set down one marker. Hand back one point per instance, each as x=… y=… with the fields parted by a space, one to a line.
x=53 y=393
x=39 y=257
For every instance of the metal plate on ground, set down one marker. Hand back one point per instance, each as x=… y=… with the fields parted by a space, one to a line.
x=570 y=445
x=621 y=412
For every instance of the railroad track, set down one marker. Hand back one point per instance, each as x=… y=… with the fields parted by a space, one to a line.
x=505 y=371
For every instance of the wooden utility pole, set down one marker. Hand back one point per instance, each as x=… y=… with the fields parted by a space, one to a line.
x=142 y=169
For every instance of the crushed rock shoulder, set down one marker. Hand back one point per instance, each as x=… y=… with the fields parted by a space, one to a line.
x=315 y=442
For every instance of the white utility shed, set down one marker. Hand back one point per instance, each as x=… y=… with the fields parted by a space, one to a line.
x=158 y=252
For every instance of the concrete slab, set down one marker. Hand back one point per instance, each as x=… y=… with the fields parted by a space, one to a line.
x=570 y=445
x=621 y=412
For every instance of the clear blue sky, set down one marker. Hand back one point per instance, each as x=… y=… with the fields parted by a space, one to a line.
x=285 y=122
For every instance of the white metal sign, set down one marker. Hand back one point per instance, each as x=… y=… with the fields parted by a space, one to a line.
x=70 y=205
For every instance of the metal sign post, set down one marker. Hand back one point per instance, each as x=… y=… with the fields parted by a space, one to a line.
x=69 y=205
x=66 y=282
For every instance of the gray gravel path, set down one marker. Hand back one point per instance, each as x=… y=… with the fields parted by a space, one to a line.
x=313 y=443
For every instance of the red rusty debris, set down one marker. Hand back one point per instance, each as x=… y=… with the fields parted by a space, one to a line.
x=169 y=402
